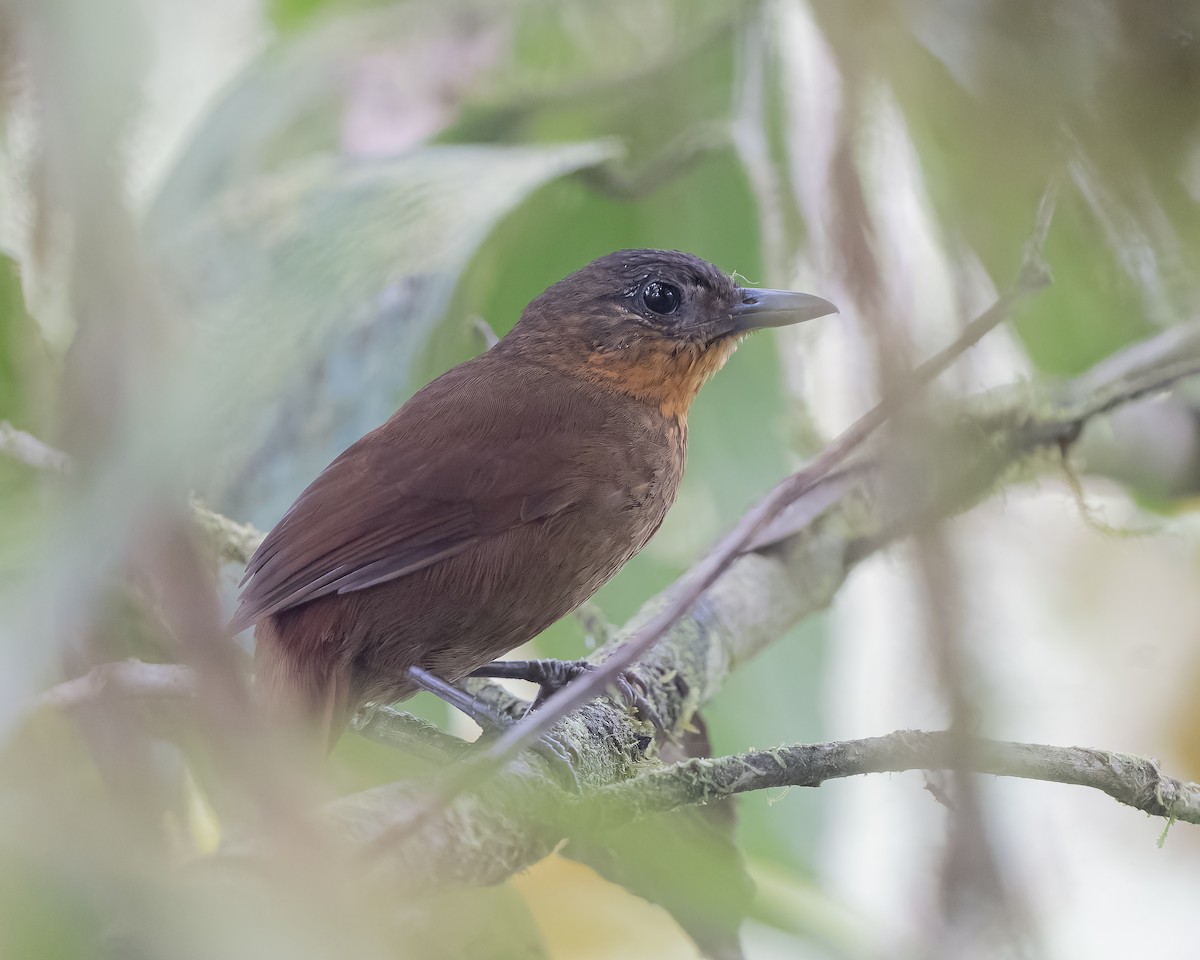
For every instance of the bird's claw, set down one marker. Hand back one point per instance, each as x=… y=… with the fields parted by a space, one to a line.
x=633 y=692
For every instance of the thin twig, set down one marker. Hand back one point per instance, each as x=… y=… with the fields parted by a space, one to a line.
x=484 y=331
x=137 y=680
x=129 y=678
x=232 y=541
x=31 y=451
x=1135 y=781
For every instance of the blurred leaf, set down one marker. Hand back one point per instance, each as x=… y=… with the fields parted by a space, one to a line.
x=315 y=288
x=686 y=865
x=664 y=72
x=292 y=14
x=41 y=915
x=573 y=48
x=799 y=906
x=1152 y=448
x=25 y=381
x=687 y=861
x=19 y=343
x=583 y=917
x=401 y=71
x=1002 y=97
x=490 y=923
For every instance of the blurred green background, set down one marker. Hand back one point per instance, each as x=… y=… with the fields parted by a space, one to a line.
x=237 y=235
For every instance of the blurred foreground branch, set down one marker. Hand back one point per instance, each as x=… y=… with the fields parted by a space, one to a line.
x=232 y=541
x=31 y=451
x=132 y=679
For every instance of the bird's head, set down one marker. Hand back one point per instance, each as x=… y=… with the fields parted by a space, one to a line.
x=654 y=324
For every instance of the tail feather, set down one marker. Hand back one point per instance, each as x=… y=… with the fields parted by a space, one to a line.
x=307 y=697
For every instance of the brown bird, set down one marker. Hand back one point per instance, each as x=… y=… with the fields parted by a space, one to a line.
x=502 y=495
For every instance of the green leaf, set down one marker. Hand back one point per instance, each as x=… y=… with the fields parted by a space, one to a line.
x=290 y=15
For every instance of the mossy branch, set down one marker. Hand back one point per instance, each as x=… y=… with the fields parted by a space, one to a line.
x=1135 y=781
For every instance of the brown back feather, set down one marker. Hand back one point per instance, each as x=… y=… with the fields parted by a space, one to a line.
x=462 y=461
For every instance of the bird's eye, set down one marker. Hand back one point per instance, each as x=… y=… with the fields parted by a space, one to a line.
x=662 y=298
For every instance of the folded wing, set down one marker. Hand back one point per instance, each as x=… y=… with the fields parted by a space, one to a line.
x=391 y=505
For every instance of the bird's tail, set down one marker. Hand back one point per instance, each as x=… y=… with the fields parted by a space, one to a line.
x=306 y=700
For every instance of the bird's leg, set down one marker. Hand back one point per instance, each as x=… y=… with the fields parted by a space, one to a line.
x=502 y=700
x=476 y=709
x=549 y=675
x=549 y=746
x=553 y=675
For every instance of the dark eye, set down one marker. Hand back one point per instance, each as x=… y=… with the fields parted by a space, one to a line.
x=660 y=297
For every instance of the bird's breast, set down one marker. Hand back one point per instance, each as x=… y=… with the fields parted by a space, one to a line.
x=627 y=478
x=618 y=465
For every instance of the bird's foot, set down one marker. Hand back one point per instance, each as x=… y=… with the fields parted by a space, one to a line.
x=633 y=691
x=561 y=758
x=552 y=675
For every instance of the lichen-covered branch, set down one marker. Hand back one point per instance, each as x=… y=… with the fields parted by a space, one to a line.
x=1135 y=781
x=233 y=542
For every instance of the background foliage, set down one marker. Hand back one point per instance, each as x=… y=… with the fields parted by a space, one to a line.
x=235 y=239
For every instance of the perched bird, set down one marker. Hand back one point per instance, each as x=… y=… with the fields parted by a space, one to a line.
x=502 y=495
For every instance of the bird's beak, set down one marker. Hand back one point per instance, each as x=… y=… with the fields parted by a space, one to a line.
x=775 y=308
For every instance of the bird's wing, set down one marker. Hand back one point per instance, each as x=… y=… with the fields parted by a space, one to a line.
x=390 y=506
